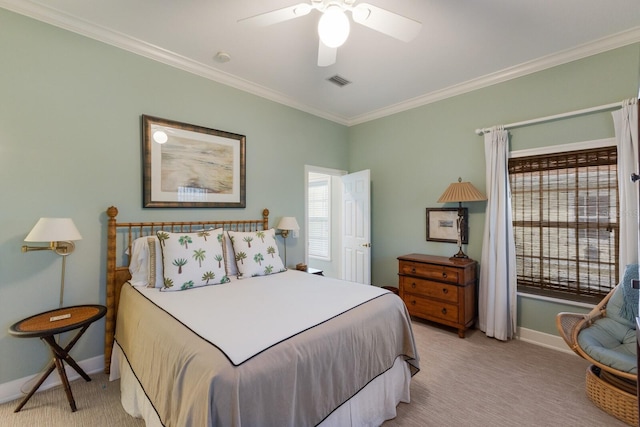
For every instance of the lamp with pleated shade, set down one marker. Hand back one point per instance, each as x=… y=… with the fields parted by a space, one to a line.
x=461 y=192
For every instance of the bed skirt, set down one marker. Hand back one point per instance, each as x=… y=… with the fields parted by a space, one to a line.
x=370 y=407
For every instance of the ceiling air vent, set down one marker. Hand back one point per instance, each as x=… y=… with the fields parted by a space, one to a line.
x=340 y=81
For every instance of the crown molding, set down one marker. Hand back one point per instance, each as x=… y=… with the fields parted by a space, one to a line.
x=563 y=57
x=60 y=19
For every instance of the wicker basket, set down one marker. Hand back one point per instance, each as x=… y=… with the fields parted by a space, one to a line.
x=611 y=399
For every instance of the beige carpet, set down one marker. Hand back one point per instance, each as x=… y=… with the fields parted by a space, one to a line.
x=474 y=381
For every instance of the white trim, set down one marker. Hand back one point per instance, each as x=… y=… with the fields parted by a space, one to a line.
x=542 y=339
x=571 y=303
x=156 y=53
x=559 y=58
x=70 y=23
x=13 y=390
x=583 y=145
x=322 y=170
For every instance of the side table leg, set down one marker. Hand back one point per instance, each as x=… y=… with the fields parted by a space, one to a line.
x=35 y=388
x=63 y=353
x=65 y=382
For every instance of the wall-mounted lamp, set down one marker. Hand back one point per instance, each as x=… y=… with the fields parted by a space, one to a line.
x=286 y=224
x=461 y=192
x=60 y=233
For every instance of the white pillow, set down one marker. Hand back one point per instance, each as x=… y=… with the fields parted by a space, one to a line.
x=256 y=253
x=144 y=269
x=192 y=260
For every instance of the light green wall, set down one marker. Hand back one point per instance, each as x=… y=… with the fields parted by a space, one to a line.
x=415 y=155
x=70 y=146
x=70 y=135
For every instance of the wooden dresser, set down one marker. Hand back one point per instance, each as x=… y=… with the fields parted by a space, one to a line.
x=439 y=289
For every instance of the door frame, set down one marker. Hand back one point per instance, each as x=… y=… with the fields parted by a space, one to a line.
x=336 y=224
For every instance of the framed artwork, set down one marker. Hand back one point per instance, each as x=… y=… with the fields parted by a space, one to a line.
x=442 y=225
x=188 y=166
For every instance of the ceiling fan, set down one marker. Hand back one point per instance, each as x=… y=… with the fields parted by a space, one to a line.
x=333 y=27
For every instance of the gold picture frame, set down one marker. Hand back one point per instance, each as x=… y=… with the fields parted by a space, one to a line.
x=189 y=166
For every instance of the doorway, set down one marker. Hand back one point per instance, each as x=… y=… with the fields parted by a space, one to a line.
x=337 y=223
x=323 y=189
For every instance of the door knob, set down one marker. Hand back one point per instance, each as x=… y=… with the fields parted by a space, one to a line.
x=634 y=177
x=366 y=245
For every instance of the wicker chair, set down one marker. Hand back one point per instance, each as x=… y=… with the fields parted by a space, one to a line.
x=610 y=389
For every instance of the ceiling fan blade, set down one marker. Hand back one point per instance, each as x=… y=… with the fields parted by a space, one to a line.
x=277 y=16
x=386 y=22
x=326 y=55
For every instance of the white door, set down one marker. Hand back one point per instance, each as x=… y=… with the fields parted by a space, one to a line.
x=356 y=227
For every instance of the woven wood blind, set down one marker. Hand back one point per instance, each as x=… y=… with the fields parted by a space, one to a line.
x=565 y=217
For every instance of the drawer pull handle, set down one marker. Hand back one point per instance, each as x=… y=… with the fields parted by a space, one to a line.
x=444 y=275
x=413 y=269
x=444 y=311
x=445 y=290
x=413 y=302
x=413 y=285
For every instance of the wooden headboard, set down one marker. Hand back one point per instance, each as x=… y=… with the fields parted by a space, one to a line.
x=120 y=236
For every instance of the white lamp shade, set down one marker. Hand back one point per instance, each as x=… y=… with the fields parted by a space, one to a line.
x=288 y=223
x=333 y=27
x=53 y=230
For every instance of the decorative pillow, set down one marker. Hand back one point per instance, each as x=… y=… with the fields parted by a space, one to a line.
x=192 y=260
x=256 y=253
x=155 y=276
x=144 y=269
x=139 y=262
x=229 y=257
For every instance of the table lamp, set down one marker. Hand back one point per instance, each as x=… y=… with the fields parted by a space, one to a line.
x=461 y=192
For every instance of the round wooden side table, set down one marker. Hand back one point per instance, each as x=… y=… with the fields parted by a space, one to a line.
x=50 y=323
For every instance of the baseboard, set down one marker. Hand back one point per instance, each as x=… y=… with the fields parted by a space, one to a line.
x=13 y=390
x=554 y=342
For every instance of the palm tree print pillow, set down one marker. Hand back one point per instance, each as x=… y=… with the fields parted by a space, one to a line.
x=191 y=260
x=256 y=253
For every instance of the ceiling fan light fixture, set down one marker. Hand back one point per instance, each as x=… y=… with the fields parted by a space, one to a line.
x=302 y=9
x=333 y=27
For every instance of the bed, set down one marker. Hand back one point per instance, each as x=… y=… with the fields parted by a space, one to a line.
x=252 y=345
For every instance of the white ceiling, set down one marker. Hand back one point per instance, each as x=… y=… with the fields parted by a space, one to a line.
x=463 y=45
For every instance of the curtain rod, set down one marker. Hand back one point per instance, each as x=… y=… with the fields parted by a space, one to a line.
x=556 y=117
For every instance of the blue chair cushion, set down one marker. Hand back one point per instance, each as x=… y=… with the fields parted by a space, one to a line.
x=628 y=308
x=610 y=343
x=616 y=308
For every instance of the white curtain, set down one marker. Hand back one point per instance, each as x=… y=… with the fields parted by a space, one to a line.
x=625 y=121
x=497 y=292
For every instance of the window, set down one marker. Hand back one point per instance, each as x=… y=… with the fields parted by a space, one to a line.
x=565 y=210
x=319 y=194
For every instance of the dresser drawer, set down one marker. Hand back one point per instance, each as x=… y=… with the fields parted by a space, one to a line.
x=431 y=289
x=430 y=271
x=426 y=308
x=439 y=289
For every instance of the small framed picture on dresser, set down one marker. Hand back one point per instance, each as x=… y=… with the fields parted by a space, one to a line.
x=443 y=223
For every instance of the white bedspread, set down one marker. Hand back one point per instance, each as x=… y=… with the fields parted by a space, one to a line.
x=256 y=325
